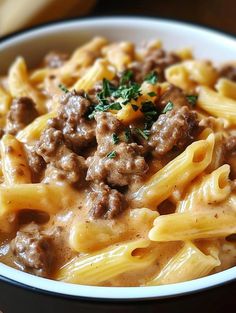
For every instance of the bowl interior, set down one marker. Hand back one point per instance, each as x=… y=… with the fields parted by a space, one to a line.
x=33 y=45
x=66 y=37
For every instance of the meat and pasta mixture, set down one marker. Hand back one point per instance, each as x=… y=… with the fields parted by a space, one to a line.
x=118 y=165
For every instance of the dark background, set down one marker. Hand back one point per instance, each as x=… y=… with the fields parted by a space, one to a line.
x=220 y=14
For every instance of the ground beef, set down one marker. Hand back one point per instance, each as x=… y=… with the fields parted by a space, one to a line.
x=175 y=95
x=22 y=112
x=52 y=149
x=77 y=129
x=55 y=59
x=228 y=71
x=230 y=144
x=33 y=250
x=176 y=128
x=155 y=60
x=36 y=164
x=104 y=202
x=127 y=163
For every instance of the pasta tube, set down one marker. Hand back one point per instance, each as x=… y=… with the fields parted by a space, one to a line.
x=97 y=72
x=212 y=188
x=19 y=84
x=216 y=104
x=5 y=102
x=33 y=131
x=82 y=234
x=226 y=88
x=193 y=225
x=119 y=54
x=189 y=263
x=14 y=164
x=82 y=57
x=185 y=168
x=42 y=197
x=106 y=264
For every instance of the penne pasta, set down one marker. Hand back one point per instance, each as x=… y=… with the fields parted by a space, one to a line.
x=19 y=85
x=42 y=197
x=97 y=72
x=209 y=189
x=189 y=73
x=216 y=104
x=106 y=264
x=119 y=55
x=189 y=164
x=189 y=263
x=82 y=234
x=33 y=131
x=191 y=225
x=84 y=56
x=226 y=88
x=14 y=164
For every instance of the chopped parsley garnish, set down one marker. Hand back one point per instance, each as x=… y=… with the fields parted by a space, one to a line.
x=142 y=133
x=192 y=99
x=127 y=134
x=115 y=106
x=152 y=78
x=126 y=77
x=152 y=94
x=169 y=106
x=102 y=108
x=106 y=88
x=149 y=109
x=134 y=107
x=127 y=92
x=111 y=155
x=63 y=88
x=115 y=139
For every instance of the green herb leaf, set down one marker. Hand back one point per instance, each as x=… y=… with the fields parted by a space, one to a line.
x=149 y=109
x=126 y=77
x=115 y=106
x=141 y=133
x=127 y=92
x=63 y=88
x=134 y=107
x=169 y=106
x=152 y=78
x=115 y=138
x=106 y=88
x=127 y=134
x=152 y=94
x=192 y=99
x=111 y=155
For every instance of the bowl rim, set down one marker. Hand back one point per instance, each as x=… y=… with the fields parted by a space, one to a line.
x=43 y=285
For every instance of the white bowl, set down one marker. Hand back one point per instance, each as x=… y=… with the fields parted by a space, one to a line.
x=33 y=44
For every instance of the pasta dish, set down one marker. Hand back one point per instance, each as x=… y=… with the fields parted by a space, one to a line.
x=118 y=165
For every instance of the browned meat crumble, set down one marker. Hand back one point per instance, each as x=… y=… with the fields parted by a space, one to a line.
x=174 y=129
x=22 y=112
x=105 y=202
x=78 y=131
x=127 y=164
x=155 y=60
x=67 y=164
x=33 y=250
x=228 y=71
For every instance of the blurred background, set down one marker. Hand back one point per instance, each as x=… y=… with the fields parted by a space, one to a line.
x=16 y=15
